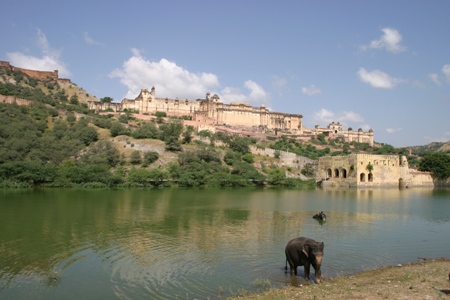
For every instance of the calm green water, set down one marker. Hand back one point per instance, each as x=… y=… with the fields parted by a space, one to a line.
x=195 y=244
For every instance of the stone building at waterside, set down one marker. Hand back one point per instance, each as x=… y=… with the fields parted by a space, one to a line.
x=367 y=170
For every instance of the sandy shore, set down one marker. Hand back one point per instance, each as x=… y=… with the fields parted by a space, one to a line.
x=422 y=280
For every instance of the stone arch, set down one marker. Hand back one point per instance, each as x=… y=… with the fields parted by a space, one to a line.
x=344 y=173
x=336 y=173
x=362 y=177
x=329 y=173
x=370 y=177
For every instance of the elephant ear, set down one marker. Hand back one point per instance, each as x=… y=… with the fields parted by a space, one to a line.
x=305 y=249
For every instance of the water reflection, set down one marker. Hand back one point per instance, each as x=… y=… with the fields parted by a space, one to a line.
x=167 y=244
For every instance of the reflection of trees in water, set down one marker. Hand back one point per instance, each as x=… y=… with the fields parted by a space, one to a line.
x=45 y=230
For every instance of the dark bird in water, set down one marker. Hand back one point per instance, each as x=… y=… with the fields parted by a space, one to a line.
x=320 y=216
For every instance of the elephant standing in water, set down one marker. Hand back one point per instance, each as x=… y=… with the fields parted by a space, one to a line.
x=320 y=216
x=305 y=252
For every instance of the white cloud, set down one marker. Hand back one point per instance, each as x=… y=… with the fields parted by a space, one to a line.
x=311 y=90
x=347 y=118
x=390 y=41
x=378 y=79
x=324 y=116
x=90 y=41
x=169 y=79
x=435 y=78
x=446 y=71
x=257 y=95
x=48 y=62
x=279 y=83
x=393 y=130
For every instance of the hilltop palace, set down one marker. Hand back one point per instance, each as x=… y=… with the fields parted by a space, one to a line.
x=211 y=111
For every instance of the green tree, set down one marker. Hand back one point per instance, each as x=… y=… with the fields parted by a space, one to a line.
x=276 y=177
x=106 y=100
x=437 y=163
x=33 y=172
x=123 y=118
x=308 y=170
x=248 y=157
x=102 y=152
x=239 y=144
x=87 y=135
x=71 y=118
x=150 y=157
x=187 y=134
x=158 y=177
x=173 y=144
x=74 y=99
x=231 y=157
x=118 y=129
x=205 y=133
x=139 y=177
x=146 y=131
x=170 y=132
x=136 y=157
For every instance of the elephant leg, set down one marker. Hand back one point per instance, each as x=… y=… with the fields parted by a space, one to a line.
x=294 y=270
x=307 y=270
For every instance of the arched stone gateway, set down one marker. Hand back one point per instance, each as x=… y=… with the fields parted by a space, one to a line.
x=362 y=177
x=336 y=173
x=385 y=170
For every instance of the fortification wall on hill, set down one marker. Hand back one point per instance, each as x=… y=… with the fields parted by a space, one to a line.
x=34 y=73
x=15 y=100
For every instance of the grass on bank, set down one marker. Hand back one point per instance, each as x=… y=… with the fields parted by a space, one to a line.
x=422 y=280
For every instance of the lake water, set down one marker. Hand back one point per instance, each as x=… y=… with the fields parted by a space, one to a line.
x=204 y=244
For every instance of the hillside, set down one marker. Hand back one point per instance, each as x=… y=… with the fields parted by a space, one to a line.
x=80 y=146
x=445 y=147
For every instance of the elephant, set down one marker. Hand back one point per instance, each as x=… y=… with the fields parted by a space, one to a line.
x=320 y=216
x=305 y=252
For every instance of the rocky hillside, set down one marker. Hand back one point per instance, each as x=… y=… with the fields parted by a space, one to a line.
x=445 y=147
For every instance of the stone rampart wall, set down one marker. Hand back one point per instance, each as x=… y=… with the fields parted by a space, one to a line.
x=31 y=73
x=15 y=100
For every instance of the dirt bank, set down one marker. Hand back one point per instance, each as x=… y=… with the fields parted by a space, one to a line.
x=423 y=280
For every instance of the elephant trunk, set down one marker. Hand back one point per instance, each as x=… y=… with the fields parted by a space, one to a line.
x=317 y=268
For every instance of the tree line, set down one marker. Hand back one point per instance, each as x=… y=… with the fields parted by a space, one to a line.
x=40 y=148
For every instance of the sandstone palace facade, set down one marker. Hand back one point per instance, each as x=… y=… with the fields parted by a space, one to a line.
x=212 y=111
x=208 y=111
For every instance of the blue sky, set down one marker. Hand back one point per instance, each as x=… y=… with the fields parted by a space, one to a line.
x=381 y=65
